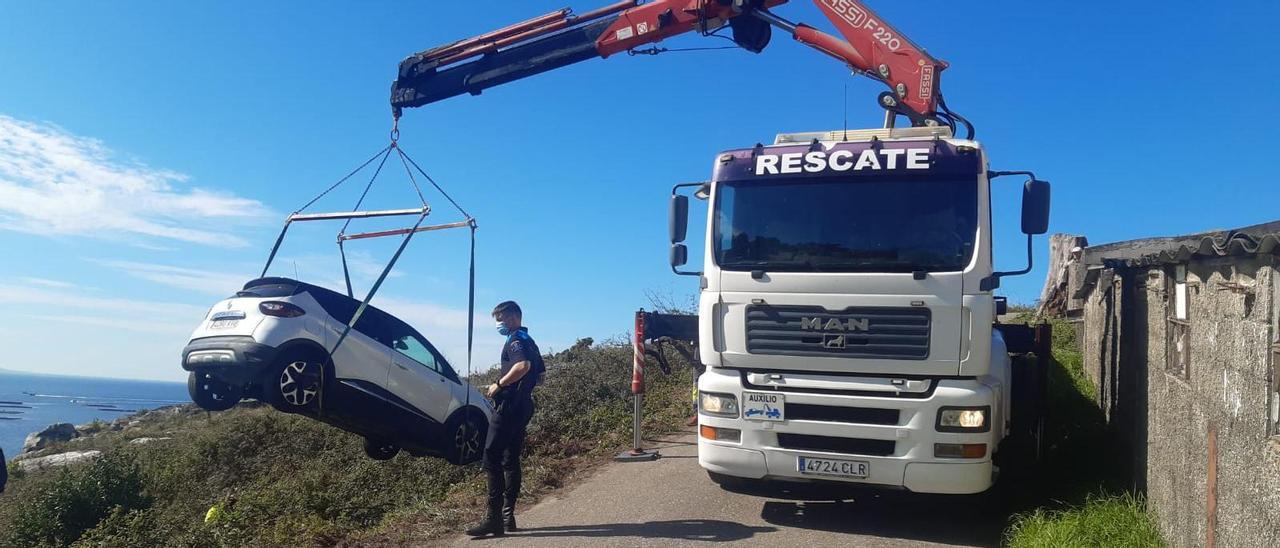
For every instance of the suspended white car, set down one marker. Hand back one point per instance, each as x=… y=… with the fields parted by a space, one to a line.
x=385 y=381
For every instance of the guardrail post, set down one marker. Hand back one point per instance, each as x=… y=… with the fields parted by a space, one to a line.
x=637 y=452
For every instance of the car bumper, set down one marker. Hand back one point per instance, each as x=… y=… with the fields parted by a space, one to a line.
x=234 y=359
x=911 y=465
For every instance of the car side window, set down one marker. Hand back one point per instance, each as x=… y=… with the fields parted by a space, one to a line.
x=376 y=325
x=413 y=347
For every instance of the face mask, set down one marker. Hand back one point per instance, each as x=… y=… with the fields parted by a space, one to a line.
x=502 y=330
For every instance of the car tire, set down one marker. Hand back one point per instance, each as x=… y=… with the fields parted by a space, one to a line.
x=378 y=450
x=465 y=435
x=212 y=393
x=294 y=384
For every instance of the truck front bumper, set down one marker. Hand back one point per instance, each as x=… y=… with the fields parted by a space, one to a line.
x=911 y=465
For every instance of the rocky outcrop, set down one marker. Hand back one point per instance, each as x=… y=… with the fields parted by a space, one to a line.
x=54 y=461
x=54 y=433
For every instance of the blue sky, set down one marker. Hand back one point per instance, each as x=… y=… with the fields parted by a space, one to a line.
x=149 y=152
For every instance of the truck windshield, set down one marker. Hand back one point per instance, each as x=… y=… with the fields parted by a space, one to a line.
x=846 y=225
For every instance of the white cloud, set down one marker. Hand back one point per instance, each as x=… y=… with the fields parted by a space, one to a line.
x=41 y=300
x=114 y=323
x=202 y=281
x=84 y=332
x=53 y=182
x=56 y=284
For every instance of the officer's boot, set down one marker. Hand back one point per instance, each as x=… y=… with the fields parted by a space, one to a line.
x=492 y=525
x=509 y=517
x=509 y=496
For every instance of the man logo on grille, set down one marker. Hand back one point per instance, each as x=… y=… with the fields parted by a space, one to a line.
x=835 y=324
x=833 y=341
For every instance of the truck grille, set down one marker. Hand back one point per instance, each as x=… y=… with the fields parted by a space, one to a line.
x=827 y=444
x=855 y=332
x=851 y=415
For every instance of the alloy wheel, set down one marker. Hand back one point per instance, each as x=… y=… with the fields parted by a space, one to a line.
x=300 y=383
x=467 y=440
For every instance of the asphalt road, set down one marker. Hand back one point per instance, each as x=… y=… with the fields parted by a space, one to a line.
x=672 y=502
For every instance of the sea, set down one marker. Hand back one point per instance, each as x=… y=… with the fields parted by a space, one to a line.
x=30 y=401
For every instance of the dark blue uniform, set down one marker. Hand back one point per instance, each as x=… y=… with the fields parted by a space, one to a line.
x=506 y=440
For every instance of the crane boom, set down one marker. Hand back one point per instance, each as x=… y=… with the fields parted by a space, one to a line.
x=869 y=46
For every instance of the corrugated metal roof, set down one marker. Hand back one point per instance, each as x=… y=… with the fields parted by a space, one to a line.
x=1253 y=240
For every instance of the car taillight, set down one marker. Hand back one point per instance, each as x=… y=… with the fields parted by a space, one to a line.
x=280 y=309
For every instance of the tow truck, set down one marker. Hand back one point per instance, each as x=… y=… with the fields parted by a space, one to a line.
x=847 y=317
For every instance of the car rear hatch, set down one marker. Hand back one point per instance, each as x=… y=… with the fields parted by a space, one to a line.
x=240 y=315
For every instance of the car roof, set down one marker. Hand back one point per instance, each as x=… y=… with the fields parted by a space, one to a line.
x=311 y=288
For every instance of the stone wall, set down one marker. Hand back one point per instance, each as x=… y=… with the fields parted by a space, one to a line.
x=1200 y=433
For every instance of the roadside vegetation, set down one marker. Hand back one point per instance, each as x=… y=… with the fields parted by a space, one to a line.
x=1081 y=496
x=298 y=482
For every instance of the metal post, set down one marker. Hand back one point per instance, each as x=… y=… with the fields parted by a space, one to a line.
x=637 y=452
x=1044 y=360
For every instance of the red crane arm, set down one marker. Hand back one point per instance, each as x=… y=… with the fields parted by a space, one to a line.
x=869 y=46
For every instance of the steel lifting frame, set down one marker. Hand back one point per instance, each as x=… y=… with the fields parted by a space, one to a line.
x=421 y=212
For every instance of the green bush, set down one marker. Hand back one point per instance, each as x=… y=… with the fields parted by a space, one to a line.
x=77 y=500
x=15 y=472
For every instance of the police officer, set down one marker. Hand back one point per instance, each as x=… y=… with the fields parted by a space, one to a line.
x=513 y=394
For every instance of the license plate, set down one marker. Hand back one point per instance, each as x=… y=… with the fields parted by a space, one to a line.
x=763 y=406
x=833 y=467
x=223 y=324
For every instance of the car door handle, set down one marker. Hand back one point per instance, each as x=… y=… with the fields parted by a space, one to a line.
x=401 y=366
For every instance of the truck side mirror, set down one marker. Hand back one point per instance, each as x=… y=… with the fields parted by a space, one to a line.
x=679 y=255
x=1035 y=207
x=678 y=221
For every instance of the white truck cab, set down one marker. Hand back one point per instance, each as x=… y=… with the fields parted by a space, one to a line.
x=846 y=311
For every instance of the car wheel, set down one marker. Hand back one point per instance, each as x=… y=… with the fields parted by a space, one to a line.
x=212 y=393
x=298 y=383
x=378 y=450
x=466 y=436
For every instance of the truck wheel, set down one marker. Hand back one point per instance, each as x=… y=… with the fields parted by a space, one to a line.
x=378 y=450
x=466 y=434
x=212 y=393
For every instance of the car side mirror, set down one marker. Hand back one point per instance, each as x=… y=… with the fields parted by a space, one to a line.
x=679 y=255
x=1035 y=207
x=678 y=220
x=400 y=345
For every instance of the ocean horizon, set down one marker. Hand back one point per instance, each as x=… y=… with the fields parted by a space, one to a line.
x=29 y=402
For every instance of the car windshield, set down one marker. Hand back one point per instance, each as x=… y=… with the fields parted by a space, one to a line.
x=840 y=224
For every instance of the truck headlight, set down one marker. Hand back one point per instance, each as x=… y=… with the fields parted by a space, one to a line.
x=720 y=405
x=964 y=419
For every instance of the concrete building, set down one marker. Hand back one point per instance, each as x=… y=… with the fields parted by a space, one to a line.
x=1180 y=336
